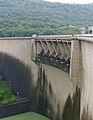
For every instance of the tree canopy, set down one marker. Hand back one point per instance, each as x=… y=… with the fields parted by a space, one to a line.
x=27 y=17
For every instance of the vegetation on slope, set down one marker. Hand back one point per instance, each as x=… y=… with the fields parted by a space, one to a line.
x=26 y=17
x=6 y=93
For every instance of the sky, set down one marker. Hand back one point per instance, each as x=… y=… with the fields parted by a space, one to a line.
x=72 y=1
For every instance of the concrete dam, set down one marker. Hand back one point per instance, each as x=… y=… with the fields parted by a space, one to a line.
x=52 y=71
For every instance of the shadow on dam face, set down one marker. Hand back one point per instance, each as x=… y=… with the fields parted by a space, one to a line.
x=17 y=74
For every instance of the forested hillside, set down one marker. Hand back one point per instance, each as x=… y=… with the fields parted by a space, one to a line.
x=27 y=17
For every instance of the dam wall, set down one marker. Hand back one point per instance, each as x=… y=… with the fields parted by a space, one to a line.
x=76 y=63
x=21 y=72
x=15 y=64
x=87 y=87
x=61 y=84
x=64 y=82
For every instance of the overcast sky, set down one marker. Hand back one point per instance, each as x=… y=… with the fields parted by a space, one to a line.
x=72 y=1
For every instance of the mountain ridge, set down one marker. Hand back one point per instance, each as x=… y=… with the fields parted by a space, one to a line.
x=26 y=17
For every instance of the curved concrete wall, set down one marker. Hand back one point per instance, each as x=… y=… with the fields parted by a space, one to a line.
x=61 y=84
x=16 y=65
x=87 y=88
x=18 y=68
